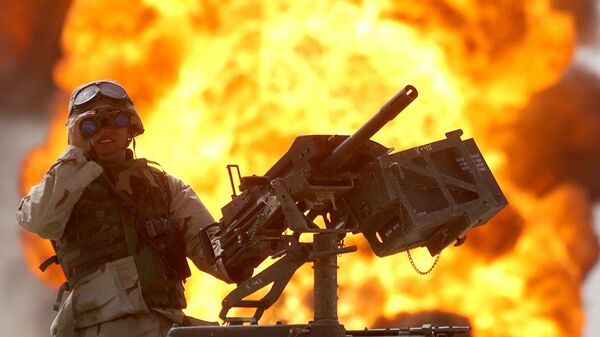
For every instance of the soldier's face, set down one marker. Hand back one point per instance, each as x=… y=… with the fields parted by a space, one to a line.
x=110 y=140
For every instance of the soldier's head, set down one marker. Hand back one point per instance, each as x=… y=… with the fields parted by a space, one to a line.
x=113 y=121
x=104 y=96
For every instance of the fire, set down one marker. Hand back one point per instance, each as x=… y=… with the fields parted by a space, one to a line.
x=236 y=82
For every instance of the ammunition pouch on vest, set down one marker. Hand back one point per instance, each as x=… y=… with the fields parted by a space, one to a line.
x=125 y=212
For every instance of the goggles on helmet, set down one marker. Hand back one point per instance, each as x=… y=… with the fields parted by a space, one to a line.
x=89 y=126
x=109 y=90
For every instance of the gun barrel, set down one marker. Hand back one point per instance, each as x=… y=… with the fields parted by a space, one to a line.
x=342 y=153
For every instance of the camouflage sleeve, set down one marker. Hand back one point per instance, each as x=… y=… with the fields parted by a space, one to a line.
x=190 y=213
x=47 y=207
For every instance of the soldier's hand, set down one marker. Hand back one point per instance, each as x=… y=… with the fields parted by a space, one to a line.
x=75 y=137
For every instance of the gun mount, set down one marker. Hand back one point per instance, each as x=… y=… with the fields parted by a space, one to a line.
x=427 y=196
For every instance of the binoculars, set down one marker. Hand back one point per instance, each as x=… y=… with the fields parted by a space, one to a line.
x=89 y=126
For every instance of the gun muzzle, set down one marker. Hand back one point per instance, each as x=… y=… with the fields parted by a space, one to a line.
x=343 y=152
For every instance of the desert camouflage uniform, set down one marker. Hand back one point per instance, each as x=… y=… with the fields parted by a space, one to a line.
x=109 y=300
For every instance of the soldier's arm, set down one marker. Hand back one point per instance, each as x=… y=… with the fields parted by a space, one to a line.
x=190 y=213
x=47 y=207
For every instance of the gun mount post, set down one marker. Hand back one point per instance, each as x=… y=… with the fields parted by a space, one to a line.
x=325 y=277
x=325 y=250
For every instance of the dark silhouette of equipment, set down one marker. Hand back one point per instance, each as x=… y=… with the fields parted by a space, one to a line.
x=427 y=196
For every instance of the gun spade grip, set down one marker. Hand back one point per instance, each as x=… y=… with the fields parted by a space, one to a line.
x=343 y=152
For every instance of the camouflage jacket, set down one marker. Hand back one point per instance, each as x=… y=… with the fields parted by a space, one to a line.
x=107 y=292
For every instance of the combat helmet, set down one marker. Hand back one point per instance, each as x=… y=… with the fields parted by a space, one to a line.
x=101 y=94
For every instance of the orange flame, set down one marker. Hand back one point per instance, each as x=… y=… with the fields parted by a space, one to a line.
x=236 y=81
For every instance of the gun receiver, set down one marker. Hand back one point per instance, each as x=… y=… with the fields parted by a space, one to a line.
x=427 y=196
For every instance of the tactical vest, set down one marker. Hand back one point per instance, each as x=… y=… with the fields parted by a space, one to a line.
x=125 y=212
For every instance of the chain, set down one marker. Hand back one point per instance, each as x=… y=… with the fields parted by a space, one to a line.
x=412 y=261
x=414 y=265
x=437 y=257
x=410 y=258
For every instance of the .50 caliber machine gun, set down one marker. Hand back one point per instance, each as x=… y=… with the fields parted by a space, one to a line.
x=427 y=196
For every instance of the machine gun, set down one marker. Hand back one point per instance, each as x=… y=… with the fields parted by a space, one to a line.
x=427 y=196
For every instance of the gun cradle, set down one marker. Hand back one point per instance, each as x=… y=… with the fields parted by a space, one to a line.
x=429 y=196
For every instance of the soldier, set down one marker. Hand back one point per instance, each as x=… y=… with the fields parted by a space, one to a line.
x=121 y=228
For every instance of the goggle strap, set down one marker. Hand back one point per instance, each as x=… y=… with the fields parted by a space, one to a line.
x=102 y=89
